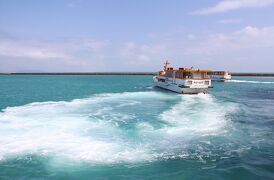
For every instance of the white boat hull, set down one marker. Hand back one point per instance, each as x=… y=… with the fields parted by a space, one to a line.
x=179 y=88
x=221 y=78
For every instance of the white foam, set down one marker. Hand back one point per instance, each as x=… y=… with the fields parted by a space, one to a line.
x=195 y=115
x=95 y=129
x=129 y=103
x=254 y=82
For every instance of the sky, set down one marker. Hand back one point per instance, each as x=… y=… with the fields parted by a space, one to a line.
x=128 y=35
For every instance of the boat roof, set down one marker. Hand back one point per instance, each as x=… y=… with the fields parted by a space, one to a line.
x=195 y=70
x=184 y=69
x=220 y=71
x=189 y=70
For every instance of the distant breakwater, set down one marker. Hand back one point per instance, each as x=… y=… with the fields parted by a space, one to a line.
x=253 y=74
x=129 y=73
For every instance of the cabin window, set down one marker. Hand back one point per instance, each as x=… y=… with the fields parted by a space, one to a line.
x=179 y=74
x=169 y=74
x=187 y=75
x=204 y=75
x=197 y=75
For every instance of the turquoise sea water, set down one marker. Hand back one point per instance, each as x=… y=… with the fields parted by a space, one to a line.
x=121 y=127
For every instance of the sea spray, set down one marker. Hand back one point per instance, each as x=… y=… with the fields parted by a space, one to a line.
x=248 y=81
x=113 y=127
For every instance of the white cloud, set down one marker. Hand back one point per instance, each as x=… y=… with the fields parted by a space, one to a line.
x=252 y=46
x=28 y=49
x=246 y=38
x=246 y=49
x=81 y=53
x=45 y=50
x=265 y=32
x=142 y=54
x=228 y=5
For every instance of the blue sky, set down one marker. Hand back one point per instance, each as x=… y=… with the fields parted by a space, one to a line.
x=124 y=35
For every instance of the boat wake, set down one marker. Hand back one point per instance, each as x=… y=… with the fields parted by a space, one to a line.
x=254 y=82
x=114 y=127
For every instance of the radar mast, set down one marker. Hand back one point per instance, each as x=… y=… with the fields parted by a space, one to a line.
x=166 y=64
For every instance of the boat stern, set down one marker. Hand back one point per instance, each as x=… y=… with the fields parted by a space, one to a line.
x=195 y=86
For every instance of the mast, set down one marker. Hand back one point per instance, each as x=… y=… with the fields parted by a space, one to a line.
x=166 y=64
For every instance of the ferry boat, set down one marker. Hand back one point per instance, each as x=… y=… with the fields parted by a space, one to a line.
x=220 y=76
x=183 y=80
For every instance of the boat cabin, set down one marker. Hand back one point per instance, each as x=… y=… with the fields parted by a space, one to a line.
x=219 y=73
x=185 y=73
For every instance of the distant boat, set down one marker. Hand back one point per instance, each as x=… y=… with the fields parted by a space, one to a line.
x=183 y=80
x=220 y=76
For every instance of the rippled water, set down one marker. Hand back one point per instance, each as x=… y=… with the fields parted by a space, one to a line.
x=105 y=127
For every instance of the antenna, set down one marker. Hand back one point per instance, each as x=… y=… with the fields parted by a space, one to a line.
x=166 y=64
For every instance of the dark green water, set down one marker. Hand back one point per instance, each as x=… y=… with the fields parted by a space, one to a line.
x=120 y=127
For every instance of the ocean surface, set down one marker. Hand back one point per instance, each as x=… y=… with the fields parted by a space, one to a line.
x=121 y=127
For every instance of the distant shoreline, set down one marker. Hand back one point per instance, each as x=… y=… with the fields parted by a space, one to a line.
x=130 y=74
